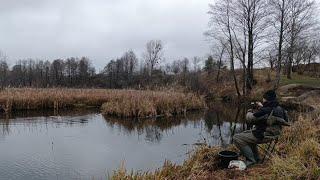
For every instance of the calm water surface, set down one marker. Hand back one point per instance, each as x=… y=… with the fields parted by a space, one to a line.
x=87 y=145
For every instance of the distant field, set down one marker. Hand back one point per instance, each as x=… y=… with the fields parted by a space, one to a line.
x=300 y=79
x=122 y=103
x=261 y=76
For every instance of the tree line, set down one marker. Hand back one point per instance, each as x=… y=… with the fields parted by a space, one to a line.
x=127 y=71
x=40 y=73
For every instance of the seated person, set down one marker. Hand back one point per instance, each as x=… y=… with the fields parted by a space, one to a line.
x=264 y=130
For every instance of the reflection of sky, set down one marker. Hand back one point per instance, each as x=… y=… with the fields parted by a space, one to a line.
x=87 y=146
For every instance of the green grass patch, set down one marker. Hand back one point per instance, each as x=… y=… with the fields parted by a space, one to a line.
x=300 y=79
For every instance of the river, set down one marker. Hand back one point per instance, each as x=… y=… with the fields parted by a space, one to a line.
x=87 y=145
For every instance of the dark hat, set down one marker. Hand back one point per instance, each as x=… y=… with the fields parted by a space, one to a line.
x=270 y=95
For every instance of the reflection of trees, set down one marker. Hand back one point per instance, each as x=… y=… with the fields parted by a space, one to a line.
x=36 y=120
x=222 y=122
x=216 y=116
x=153 y=128
x=153 y=134
x=4 y=127
x=233 y=126
x=48 y=113
x=210 y=120
x=218 y=125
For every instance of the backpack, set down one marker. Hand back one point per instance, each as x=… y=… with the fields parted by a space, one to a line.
x=274 y=120
x=275 y=124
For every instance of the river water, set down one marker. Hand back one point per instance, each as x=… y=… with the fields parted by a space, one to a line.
x=87 y=145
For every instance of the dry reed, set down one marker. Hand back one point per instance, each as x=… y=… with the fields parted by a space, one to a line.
x=124 y=103
x=151 y=104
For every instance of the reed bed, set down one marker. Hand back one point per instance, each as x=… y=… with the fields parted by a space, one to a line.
x=122 y=103
x=297 y=157
x=152 y=104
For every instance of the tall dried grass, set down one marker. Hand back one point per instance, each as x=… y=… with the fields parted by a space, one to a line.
x=124 y=103
x=197 y=166
x=151 y=104
x=299 y=151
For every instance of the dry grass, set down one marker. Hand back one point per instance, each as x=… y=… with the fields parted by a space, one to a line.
x=299 y=151
x=203 y=160
x=297 y=157
x=35 y=99
x=124 y=103
x=151 y=104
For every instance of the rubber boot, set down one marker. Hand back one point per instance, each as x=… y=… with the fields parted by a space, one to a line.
x=248 y=154
x=255 y=152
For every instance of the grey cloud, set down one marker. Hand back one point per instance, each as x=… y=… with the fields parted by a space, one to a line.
x=101 y=29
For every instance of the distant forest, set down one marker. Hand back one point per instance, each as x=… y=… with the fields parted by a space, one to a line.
x=123 y=72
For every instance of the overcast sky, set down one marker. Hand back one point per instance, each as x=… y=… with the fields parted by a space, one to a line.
x=101 y=29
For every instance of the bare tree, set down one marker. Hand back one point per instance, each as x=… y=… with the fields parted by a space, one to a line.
x=196 y=61
x=46 y=67
x=223 y=26
x=176 y=67
x=130 y=62
x=219 y=52
x=251 y=17
x=239 y=25
x=153 y=54
x=279 y=19
x=301 y=21
x=56 y=72
x=4 y=70
x=71 y=70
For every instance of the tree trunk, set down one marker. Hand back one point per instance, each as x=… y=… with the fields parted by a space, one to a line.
x=250 y=60
x=219 y=65
x=232 y=54
x=279 y=62
x=244 y=86
x=232 y=64
x=291 y=50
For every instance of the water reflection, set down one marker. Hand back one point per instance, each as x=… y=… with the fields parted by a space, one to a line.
x=216 y=126
x=153 y=129
x=83 y=145
x=48 y=113
x=35 y=122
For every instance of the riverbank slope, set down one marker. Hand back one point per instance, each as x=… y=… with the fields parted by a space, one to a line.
x=297 y=154
x=297 y=157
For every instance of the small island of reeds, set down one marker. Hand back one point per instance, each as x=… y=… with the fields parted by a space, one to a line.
x=120 y=103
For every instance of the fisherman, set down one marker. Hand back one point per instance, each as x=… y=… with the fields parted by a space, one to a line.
x=268 y=121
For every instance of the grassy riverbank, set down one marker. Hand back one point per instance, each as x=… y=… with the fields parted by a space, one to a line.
x=297 y=157
x=122 y=103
